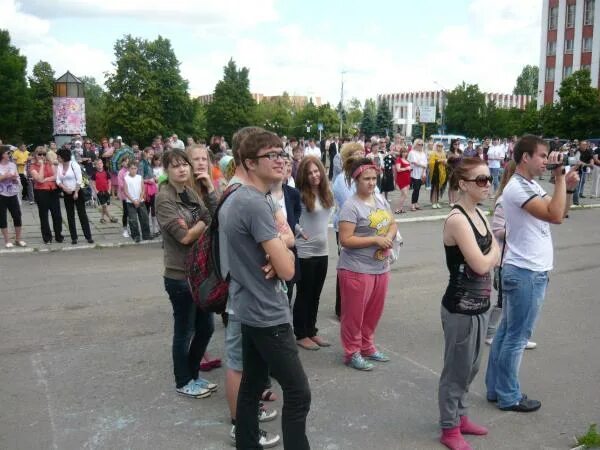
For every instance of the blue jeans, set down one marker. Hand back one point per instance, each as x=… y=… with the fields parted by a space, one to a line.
x=495 y=173
x=522 y=297
x=192 y=331
x=580 y=187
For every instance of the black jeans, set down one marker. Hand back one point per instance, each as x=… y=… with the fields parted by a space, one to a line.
x=70 y=206
x=272 y=350
x=309 y=287
x=10 y=204
x=416 y=186
x=25 y=186
x=192 y=331
x=48 y=201
x=134 y=214
x=124 y=217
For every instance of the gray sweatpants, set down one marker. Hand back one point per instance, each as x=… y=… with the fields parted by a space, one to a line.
x=463 y=344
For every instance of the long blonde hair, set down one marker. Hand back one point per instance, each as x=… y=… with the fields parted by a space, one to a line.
x=198 y=187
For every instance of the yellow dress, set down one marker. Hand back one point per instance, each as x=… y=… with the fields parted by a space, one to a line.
x=437 y=172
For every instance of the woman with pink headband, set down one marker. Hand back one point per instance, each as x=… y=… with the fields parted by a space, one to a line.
x=367 y=230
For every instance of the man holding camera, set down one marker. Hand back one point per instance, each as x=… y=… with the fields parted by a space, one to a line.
x=529 y=211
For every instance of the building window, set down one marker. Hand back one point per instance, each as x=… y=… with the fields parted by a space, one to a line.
x=569 y=44
x=551 y=48
x=549 y=74
x=587 y=44
x=588 y=12
x=567 y=71
x=570 y=16
x=553 y=18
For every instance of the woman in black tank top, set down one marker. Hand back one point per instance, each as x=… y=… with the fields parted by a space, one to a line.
x=471 y=252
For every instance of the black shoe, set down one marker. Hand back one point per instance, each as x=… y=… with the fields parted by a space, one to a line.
x=73 y=241
x=137 y=240
x=90 y=241
x=48 y=242
x=524 y=405
x=60 y=239
x=581 y=196
x=149 y=238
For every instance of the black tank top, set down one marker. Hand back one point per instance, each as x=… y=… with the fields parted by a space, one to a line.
x=467 y=291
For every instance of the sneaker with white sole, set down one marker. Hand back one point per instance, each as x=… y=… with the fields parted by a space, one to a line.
x=530 y=345
x=205 y=384
x=265 y=439
x=359 y=363
x=489 y=340
x=193 y=390
x=265 y=414
x=125 y=233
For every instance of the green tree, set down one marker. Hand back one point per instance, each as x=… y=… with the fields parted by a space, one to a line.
x=354 y=116
x=330 y=119
x=199 y=122
x=527 y=82
x=275 y=115
x=146 y=93
x=368 y=125
x=383 y=120
x=41 y=91
x=13 y=90
x=579 y=106
x=95 y=108
x=232 y=106
x=466 y=104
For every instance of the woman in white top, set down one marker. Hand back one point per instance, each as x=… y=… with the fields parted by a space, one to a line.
x=313 y=252
x=418 y=166
x=68 y=178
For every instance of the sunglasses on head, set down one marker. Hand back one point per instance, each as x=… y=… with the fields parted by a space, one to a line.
x=481 y=180
x=42 y=154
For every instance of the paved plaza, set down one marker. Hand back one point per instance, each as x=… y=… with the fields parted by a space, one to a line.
x=86 y=357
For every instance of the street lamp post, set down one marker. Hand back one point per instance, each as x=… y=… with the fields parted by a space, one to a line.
x=442 y=107
x=342 y=105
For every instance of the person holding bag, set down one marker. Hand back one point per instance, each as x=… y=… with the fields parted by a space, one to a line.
x=69 y=179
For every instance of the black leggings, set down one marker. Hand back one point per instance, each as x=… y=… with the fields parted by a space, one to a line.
x=124 y=218
x=10 y=204
x=70 y=206
x=416 y=186
x=306 y=307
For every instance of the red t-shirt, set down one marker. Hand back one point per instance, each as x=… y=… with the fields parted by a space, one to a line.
x=101 y=179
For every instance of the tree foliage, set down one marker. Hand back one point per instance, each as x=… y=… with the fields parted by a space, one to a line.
x=368 y=126
x=579 y=106
x=354 y=116
x=95 y=108
x=527 y=82
x=466 y=104
x=13 y=90
x=383 y=119
x=232 y=106
x=41 y=91
x=146 y=93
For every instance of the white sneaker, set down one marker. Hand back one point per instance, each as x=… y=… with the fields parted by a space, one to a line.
x=194 y=390
x=266 y=439
x=266 y=415
x=125 y=233
x=489 y=341
x=530 y=345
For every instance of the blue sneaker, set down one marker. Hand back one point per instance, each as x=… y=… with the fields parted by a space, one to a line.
x=378 y=356
x=205 y=384
x=359 y=363
x=193 y=390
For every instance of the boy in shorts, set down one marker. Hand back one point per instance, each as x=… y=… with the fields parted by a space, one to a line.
x=101 y=186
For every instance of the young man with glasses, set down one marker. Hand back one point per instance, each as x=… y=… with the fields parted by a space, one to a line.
x=529 y=211
x=260 y=303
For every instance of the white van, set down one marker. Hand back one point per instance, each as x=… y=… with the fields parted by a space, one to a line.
x=446 y=138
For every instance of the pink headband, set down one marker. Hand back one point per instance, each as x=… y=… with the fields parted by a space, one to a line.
x=361 y=169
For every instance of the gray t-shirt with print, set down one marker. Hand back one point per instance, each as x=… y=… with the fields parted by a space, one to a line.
x=370 y=221
x=249 y=221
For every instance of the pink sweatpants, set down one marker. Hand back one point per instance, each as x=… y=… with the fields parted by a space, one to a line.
x=362 y=298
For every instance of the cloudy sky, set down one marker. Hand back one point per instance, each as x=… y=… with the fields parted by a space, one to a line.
x=297 y=46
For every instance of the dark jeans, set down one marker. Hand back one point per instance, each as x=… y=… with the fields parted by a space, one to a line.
x=124 y=217
x=70 y=205
x=134 y=214
x=192 y=331
x=416 y=186
x=272 y=350
x=25 y=186
x=306 y=306
x=48 y=201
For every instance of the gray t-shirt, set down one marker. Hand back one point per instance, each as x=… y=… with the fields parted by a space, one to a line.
x=248 y=221
x=315 y=225
x=370 y=221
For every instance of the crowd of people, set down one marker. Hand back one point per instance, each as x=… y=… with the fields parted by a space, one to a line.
x=280 y=197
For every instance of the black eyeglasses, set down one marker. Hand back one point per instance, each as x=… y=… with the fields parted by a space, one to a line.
x=41 y=154
x=481 y=180
x=273 y=156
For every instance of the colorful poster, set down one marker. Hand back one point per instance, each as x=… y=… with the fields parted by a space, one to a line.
x=69 y=115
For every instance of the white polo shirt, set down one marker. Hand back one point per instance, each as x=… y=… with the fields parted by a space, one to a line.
x=528 y=239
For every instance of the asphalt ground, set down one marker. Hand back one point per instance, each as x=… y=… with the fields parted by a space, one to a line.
x=86 y=359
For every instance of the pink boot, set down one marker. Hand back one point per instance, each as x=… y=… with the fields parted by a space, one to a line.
x=468 y=427
x=453 y=439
